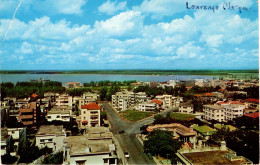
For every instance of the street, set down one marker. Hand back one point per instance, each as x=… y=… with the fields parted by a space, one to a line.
x=128 y=140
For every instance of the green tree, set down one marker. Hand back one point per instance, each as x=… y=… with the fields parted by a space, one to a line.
x=54 y=158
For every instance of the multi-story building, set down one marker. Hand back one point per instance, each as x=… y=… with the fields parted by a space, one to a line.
x=124 y=100
x=167 y=100
x=159 y=103
x=7 y=143
x=90 y=115
x=147 y=107
x=20 y=102
x=177 y=101
x=186 y=108
x=61 y=113
x=233 y=111
x=88 y=98
x=29 y=113
x=64 y=100
x=214 y=112
x=51 y=136
x=73 y=84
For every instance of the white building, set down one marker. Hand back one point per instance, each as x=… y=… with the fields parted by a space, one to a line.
x=7 y=143
x=166 y=99
x=233 y=111
x=61 y=113
x=64 y=100
x=214 y=112
x=186 y=108
x=18 y=136
x=147 y=107
x=90 y=115
x=88 y=98
x=51 y=136
x=95 y=147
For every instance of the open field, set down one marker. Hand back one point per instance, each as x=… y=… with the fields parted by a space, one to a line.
x=132 y=115
x=140 y=72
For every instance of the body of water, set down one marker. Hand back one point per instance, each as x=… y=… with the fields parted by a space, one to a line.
x=82 y=78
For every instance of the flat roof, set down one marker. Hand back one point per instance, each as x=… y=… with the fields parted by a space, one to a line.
x=215 y=107
x=210 y=157
x=50 y=129
x=204 y=129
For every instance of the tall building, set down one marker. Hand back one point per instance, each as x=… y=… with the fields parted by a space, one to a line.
x=90 y=115
x=29 y=113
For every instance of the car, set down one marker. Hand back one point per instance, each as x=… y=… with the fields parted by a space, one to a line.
x=121 y=131
x=127 y=155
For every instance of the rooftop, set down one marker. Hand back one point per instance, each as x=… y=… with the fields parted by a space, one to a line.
x=252 y=115
x=90 y=106
x=205 y=130
x=156 y=101
x=50 y=130
x=214 y=107
x=252 y=100
x=230 y=127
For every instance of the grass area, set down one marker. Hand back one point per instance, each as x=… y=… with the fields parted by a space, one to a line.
x=134 y=115
x=181 y=116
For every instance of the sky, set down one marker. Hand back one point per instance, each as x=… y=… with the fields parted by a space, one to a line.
x=128 y=34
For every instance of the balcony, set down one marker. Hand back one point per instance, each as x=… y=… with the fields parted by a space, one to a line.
x=26 y=117
x=26 y=110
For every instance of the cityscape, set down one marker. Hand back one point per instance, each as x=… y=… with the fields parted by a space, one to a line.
x=124 y=82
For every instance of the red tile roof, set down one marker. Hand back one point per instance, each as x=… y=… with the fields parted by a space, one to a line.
x=222 y=90
x=90 y=106
x=198 y=95
x=156 y=101
x=252 y=115
x=208 y=94
x=34 y=95
x=85 y=122
x=252 y=100
x=230 y=102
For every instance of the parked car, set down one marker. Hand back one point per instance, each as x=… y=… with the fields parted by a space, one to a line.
x=127 y=155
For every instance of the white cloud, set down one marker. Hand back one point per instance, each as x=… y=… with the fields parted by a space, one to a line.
x=126 y=23
x=188 y=51
x=111 y=8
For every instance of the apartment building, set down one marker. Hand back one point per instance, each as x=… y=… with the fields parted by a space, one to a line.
x=51 y=136
x=233 y=111
x=147 y=107
x=64 y=100
x=166 y=99
x=61 y=113
x=90 y=115
x=123 y=100
x=186 y=108
x=29 y=113
x=88 y=98
x=214 y=112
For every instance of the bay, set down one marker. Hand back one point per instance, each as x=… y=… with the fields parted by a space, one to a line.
x=82 y=78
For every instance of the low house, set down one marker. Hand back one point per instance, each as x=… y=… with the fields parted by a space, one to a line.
x=204 y=131
x=51 y=136
x=94 y=147
x=186 y=108
x=210 y=155
x=179 y=131
x=147 y=107
x=159 y=103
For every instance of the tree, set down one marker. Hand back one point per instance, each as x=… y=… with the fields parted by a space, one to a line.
x=53 y=158
x=103 y=93
x=161 y=143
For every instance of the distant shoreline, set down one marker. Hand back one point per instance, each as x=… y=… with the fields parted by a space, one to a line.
x=140 y=72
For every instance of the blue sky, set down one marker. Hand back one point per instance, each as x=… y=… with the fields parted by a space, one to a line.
x=128 y=34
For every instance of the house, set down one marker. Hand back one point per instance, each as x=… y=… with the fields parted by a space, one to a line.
x=214 y=112
x=186 y=108
x=252 y=115
x=29 y=113
x=177 y=101
x=210 y=155
x=204 y=131
x=51 y=136
x=18 y=135
x=179 y=131
x=61 y=113
x=166 y=99
x=90 y=115
x=94 y=147
x=7 y=143
x=252 y=103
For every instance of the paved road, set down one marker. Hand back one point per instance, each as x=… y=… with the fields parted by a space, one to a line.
x=131 y=145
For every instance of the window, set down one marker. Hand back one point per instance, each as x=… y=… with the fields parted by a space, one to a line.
x=84 y=112
x=80 y=162
x=105 y=160
x=50 y=140
x=58 y=116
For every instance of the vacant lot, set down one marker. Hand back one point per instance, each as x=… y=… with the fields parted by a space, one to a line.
x=132 y=115
x=181 y=116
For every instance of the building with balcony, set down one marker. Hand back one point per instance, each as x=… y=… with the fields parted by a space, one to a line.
x=61 y=113
x=90 y=115
x=147 y=107
x=51 y=136
x=214 y=112
x=94 y=147
x=29 y=113
x=64 y=100
x=186 y=108
x=233 y=111
x=88 y=98
x=166 y=99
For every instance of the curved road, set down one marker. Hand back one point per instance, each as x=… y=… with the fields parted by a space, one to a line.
x=131 y=145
